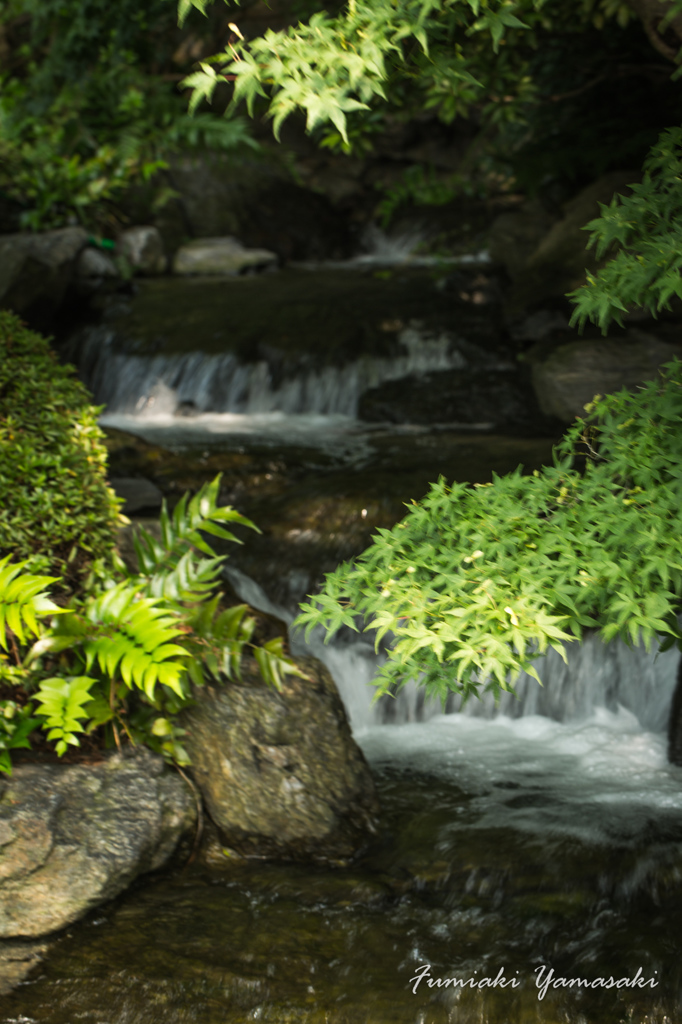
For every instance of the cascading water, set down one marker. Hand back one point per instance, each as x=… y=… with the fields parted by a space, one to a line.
x=158 y=386
x=594 y=678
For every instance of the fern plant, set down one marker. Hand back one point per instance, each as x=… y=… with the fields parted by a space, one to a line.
x=126 y=655
x=23 y=601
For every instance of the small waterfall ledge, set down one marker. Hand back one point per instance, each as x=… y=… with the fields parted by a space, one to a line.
x=197 y=382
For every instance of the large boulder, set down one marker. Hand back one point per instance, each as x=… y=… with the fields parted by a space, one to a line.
x=36 y=270
x=256 y=201
x=559 y=262
x=138 y=493
x=220 y=256
x=280 y=774
x=73 y=837
x=573 y=374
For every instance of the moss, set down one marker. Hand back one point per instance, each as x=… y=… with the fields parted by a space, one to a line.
x=55 y=505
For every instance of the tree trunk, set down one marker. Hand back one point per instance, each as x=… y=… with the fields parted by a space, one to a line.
x=667 y=38
x=675 y=722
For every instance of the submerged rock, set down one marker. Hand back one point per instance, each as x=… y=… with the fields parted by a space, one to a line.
x=220 y=256
x=280 y=773
x=73 y=837
x=573 y=374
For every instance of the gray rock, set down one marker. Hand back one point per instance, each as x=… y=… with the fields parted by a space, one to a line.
x=481 y=399
x=573 y=374
x=561 y=259
x=94 y=266
x=137 y=493
x=219 y=256
x=280 y=773
x=73 y=837
x=36 y=269
x=142 y=247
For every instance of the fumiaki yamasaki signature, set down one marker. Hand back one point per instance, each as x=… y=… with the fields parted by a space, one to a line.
x=545 y=979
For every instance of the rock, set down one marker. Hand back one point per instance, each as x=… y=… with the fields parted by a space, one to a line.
x=36 y=270
x=280 y=774
x=17 y=960
x=93 y=267
x=559 y=262
x=220 y=256
x=513 y=237
x=73 y=837
x=491 y=398
x=142 y=247
x=573 y=374
x=255 y=201
x=137 y=492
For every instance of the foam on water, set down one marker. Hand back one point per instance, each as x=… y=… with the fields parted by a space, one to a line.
x=600 y=779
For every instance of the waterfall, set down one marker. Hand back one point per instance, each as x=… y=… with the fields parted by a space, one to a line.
x=595 y=677
x=196 y=382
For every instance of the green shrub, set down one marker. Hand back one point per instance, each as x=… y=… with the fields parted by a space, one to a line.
x=55 y=506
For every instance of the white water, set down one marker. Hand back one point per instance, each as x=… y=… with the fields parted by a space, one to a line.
x=584 y=755
x=382 y=250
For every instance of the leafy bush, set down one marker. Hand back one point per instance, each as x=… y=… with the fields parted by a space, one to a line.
x=124 y=657
x=475 y=583
x=55 y=505
x=76 y=159
x=646 y=230
x=85 y=112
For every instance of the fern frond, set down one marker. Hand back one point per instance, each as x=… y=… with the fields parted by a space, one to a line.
x=23 y=600
x=136 y=638
x=199 y=515
x=63 y=706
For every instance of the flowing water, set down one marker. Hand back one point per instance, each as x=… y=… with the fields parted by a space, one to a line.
x=543 y=835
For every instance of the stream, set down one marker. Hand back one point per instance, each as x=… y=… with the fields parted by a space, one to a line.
x=529 y=862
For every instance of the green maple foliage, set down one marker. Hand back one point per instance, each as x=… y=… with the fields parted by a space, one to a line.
x=476 y=582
